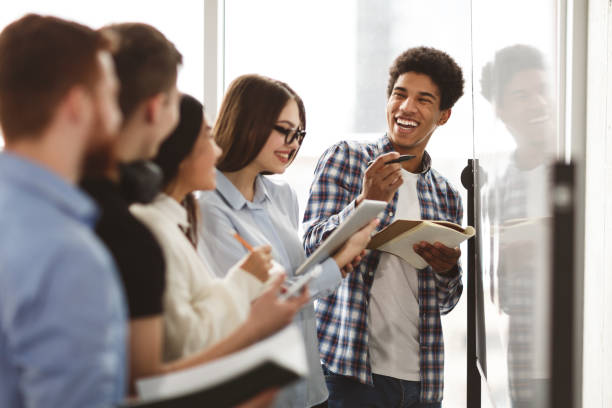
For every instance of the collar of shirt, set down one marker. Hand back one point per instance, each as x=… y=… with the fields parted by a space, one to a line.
x=234 y=197
x=42 y=182
x=385 y=146
x=172 y=209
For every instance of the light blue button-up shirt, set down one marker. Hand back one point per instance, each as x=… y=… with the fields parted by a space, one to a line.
x=272 y=218
x=62 y=311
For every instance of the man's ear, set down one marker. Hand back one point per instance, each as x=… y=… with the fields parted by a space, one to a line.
x=446 y=113
x=77 y=107
x=153 y=107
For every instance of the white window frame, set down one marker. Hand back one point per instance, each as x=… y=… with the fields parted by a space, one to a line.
x=597 y=360
x=214 y=55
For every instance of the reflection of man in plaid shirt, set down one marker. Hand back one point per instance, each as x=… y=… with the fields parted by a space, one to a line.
x=516 y=82
x=424 y=84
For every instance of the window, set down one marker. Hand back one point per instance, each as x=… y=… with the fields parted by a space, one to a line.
x=184 y=26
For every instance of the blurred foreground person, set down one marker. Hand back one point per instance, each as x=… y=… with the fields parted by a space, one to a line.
x=147 y=65
x=62 y=313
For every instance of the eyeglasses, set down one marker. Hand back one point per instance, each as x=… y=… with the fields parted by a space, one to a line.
x=291 y=134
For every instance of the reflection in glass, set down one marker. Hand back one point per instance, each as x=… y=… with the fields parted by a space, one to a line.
x=517 y=84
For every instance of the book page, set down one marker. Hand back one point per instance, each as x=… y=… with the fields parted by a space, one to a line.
x=392 y=230
x=285 y=348
x=451 y=225
x=402 y=245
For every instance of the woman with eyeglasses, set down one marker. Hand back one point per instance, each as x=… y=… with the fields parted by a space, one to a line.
x=260 y=128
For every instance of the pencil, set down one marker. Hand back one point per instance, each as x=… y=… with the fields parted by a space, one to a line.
x=398 y=160
x=243 y=242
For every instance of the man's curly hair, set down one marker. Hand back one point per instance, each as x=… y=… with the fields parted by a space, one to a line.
x=437 y=65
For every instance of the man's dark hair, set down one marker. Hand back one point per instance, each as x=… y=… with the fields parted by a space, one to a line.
x=508 y=62
x=179 y=145
x=41 y=59
x=437 y=65
x=146 y=63
x=175 y=150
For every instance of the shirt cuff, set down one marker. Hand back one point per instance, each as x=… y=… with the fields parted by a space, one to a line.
x=327 y=281
x=346 y=211
x=449 y=279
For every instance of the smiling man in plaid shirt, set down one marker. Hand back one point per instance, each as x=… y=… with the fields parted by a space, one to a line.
x=380 y=332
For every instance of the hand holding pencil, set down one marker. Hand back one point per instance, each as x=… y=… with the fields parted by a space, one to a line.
x=258 y=261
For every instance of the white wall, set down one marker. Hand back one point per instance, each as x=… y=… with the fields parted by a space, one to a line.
x=597 y=370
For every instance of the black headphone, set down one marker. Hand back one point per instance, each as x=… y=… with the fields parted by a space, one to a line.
x=140 y=181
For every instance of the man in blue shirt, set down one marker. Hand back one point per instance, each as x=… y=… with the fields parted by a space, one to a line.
x=62 y=313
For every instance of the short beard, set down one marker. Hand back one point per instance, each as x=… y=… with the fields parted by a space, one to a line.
x=424 y=140
x=100 y=159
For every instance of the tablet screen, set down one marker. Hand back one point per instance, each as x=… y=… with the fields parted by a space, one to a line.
x=359 y=218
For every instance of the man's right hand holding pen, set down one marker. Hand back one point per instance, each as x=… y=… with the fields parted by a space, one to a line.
x=381 y=180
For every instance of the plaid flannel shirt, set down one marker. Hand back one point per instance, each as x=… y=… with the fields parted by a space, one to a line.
x=342 y=316
x=517 y=284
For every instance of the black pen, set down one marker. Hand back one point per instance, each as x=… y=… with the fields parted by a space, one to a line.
x=400 y=159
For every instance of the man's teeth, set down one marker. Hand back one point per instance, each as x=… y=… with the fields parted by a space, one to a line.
x=406 y=123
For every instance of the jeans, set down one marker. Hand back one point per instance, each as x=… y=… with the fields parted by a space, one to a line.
x=388 y=392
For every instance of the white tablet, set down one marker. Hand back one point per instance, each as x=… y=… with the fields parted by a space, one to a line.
x=359 y=218
x=296 y=287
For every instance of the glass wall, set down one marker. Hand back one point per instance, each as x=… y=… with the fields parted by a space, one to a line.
x=516 y=139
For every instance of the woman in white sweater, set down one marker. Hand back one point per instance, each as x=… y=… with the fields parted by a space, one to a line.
x=199 y=309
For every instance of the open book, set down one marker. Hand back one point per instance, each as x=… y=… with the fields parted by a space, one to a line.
x=274 y=362
x=399 y=237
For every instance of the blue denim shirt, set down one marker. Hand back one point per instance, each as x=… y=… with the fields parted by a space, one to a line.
x=62 y=311
x=272 y=218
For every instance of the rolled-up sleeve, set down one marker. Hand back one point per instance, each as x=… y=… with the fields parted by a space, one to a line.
x=331 y=198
